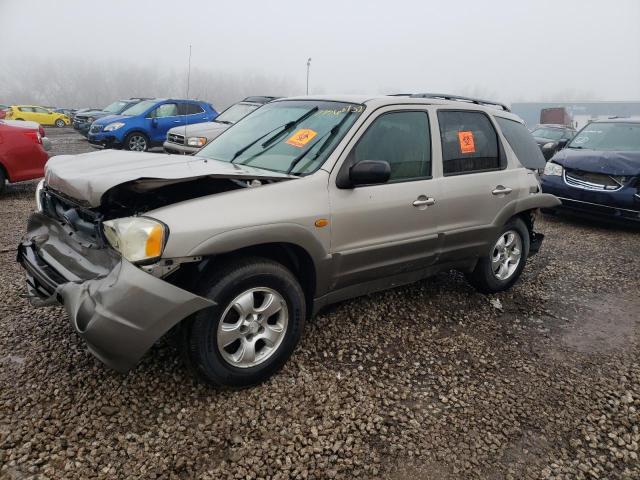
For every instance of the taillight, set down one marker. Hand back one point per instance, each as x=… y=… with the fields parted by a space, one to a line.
x=34 y=135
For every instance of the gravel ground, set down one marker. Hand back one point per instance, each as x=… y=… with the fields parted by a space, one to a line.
x=429 y=381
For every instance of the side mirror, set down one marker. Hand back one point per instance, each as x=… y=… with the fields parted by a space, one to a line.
x=369 y=172
x=154 y=122
x=549 y=150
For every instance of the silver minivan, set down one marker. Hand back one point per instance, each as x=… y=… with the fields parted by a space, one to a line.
x=305 y=202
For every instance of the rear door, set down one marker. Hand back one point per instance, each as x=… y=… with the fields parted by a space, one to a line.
x=476 y=184
x=26 y=113
x=164 y=117
x=378 y=231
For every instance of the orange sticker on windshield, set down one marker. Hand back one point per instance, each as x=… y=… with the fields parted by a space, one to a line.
x=466 y=142
x=301 y=137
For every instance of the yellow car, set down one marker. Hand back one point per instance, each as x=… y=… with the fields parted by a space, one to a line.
x=42 y=115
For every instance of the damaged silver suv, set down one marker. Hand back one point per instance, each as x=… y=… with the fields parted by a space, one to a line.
x=305 y=202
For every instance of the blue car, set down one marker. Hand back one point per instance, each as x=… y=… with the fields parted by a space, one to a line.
x=598 y=173
x=146 y=124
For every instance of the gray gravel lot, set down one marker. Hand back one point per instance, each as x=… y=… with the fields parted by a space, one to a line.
x=429 y=381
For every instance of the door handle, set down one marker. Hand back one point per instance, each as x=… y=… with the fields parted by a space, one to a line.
x=500 y=190
x=423 y=201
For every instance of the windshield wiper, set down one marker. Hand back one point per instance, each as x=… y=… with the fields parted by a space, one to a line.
x=286 y=127
x=577 y=147
x=227 y=122
x=329 y=136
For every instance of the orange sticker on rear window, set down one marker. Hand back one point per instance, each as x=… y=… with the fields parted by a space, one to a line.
x=466 y=142
x=301 y=137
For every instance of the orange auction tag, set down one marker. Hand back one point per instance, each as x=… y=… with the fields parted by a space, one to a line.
x=301 y=137
x=466 y=142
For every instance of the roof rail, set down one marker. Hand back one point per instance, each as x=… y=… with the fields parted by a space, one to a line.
x=457 y=98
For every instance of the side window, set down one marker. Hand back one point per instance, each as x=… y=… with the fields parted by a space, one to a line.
x=189 y=109
x=40 y=110
x=400 y=138
x=25 y=109
x=522 y=143
x=469 y=142
x=165 y=110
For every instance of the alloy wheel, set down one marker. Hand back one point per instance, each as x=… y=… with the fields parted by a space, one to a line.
x=137 y=143
x=506 y=255
x=252 y=327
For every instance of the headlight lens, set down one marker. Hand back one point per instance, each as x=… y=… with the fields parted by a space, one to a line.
x=138 y=239
x=113 y=126
x=38 y=195
x=553 y=169
x=196 y=141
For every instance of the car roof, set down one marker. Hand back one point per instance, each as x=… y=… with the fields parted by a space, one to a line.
x=259 y=99
x=377 y=101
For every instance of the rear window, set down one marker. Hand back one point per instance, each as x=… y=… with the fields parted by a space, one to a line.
x=522 y=143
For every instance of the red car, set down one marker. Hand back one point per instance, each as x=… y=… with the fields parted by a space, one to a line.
x=23 y=151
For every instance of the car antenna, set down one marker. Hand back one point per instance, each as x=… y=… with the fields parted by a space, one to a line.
x=188 y=82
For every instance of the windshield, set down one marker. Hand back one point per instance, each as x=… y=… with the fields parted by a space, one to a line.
x=139 y=108
x=286 y=133
x=115 y=107
x=550 y=133
x=614 y=136
x=235 y=113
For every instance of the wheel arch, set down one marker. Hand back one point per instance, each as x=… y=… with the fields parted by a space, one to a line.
x=293 y=256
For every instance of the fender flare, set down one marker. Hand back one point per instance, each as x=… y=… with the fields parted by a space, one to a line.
x=283 y=233
x=519 y=205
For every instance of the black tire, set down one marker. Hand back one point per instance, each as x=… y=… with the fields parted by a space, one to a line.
x=198 y=335
x=59 y=123
x=3 y=180
x=134 y=138
x=483 y=277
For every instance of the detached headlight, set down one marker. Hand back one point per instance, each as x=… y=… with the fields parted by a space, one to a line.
x=138 y=239
x=113 y=126
x=39 y=195
x=196 y=141
x=553 y=169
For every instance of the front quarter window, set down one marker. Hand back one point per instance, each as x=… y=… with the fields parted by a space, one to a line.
x=293 y=136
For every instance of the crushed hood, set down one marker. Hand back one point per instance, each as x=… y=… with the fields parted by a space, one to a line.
x=210 y=130
x=608 y=163
x=87 y=177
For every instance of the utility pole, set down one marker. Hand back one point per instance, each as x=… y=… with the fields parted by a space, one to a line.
x=308 y=66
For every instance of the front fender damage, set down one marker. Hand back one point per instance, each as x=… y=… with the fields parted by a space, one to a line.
x=123 y=314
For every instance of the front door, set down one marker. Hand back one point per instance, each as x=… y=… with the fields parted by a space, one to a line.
x=164 y=118
x=378 y=231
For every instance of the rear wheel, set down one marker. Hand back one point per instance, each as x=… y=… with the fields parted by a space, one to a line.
x=60 y=123
x=502 y=265
x=136 y=142
x=3 y=180
x=252 y=330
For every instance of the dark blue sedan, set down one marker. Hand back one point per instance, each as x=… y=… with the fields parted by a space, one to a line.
x=599 y=171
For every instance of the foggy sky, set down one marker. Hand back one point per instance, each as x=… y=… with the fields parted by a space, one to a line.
x=506 y=50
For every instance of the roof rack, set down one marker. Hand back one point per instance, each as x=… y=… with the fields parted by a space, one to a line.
x=457 y=98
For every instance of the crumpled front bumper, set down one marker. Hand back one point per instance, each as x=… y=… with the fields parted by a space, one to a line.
x=118 y=309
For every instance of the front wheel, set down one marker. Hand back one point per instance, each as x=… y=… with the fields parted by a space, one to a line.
x=136 y=142
x=502 y=265
x=59 y=123
x=254 y=327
